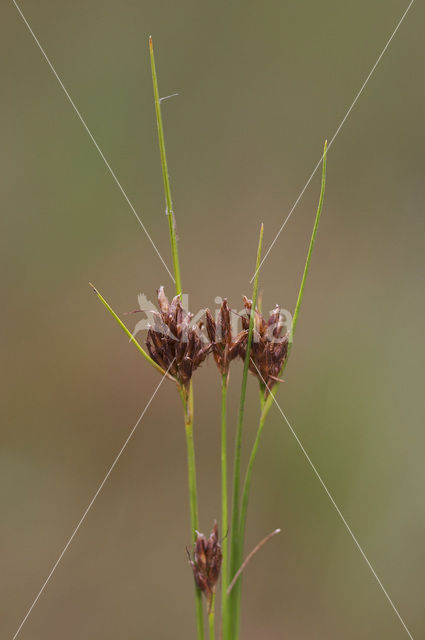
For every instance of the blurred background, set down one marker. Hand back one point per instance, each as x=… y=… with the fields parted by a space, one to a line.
x=261 y=85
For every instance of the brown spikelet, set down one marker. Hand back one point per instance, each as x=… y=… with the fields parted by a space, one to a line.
x=224 y=347
x=206 y=563
x=173 y=342
x=269 y=347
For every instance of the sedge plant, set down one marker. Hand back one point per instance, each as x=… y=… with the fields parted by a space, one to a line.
x=176 y=348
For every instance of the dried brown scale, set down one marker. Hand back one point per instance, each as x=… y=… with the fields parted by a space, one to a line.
x=206 y=563
x=173 y=342
x=269 y=347
x=224 y=347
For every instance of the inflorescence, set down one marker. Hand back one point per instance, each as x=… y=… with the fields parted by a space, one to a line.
x=173 y=342
x=180 y=347
x=206 y=563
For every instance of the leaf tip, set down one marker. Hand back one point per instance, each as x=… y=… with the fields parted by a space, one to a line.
x=261 y=232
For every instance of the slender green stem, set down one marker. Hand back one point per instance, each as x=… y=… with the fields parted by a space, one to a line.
x=262 y=388
x=130 y=335
x=165 y=175
x=312 y=241
x=224 y=507
x=266 y=404
x=269 y=401
x=248 y=476
x=235 y=542
x=187 y=399
x=211 y=618
x=237 y=589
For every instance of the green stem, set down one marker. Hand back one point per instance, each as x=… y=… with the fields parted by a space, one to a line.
x=312 y=241
x=236 y=552
x=224 y=507
x=247 y=483
x=242 y=521
x=211 y=618
x=187 y=399
x=266 y=404
x=166 y=178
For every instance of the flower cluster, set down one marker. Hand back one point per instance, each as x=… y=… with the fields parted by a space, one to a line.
x=206 y=563
x=269 y=348
x=224 y=347
x=179 y=347
x=173 y=343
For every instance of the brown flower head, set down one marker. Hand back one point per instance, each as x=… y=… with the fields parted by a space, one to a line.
x=173 y=342
x=269 y=347
x=224 y=347
x=206 y=563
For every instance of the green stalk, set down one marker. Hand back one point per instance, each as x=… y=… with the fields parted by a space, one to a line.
x=224 y=507
x=267 y=403
x=311 y=246
x=247 y=483
x=236 y=552
x=187 y=400
x=166 y=178
x=130 y=335
x=211 y=618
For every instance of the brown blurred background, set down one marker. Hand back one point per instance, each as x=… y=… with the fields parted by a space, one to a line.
x=261 y=86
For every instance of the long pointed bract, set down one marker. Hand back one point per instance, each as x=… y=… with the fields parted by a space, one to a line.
x=165 y=175
x=130 y=335
x=312 y=241
x=269 y=401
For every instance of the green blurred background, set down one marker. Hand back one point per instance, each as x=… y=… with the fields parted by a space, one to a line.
x=261 y=86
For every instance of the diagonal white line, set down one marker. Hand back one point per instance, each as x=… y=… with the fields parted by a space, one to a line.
x=347 y=526
x=89 y=507
x=341 y=124
x=344 y=520
x=111 y=171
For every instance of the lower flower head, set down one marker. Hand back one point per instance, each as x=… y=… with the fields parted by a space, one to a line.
x=206 y=563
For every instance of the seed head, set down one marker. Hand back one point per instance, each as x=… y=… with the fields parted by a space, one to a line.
x=269 y=347
x=173 y=342
x=206 y=563
x=224 y=347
